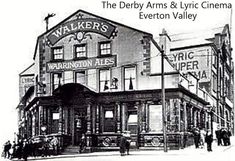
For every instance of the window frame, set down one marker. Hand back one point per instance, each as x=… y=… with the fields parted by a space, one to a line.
x=52 y=80
x=85 y=76
x=75 y=51
x=110 y=76
x=124 y=79
x=99 y=48
x=53 y=55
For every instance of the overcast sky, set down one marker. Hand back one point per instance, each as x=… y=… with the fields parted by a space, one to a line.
x=22 y=21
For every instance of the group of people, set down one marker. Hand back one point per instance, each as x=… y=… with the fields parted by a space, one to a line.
x=125 y=143
x=223 y=136
x=201 y=137
x=30 y=147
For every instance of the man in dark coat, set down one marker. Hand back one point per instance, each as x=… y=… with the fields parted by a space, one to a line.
x=7 y=148
x=218 y=137
x=25 y=150
x=122 y=145
x=209 y=140
x=196 y=134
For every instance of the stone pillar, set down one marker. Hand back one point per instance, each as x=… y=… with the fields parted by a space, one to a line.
x=60 y=119
x=144 y=104
x=72 y=124
x=66 y=119
x=123 y=116
x=185 y=116
x=33 y=123
x=179 y=114
x=40 y=112
x=118 y=109
x=97 y=119
x=88 y=133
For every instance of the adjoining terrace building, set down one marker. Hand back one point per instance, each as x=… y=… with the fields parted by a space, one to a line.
x=97 y=77
x=208 y=55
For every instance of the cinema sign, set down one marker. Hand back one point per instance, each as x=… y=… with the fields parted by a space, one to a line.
x=80 y=27
x=91 y=63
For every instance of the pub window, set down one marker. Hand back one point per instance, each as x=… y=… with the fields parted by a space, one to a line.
x=80 y=77
x=55 y=120
x=80 y=51
x=155 y=118
x=56 y=80
x=104 y=80
x=57 y=53
x=132 y=124
x=109 y=120
x=129 y=78
x=105 y=48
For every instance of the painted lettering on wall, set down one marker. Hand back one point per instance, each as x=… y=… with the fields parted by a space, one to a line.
x=83 y=25
x=90 y=63
x=194 y=60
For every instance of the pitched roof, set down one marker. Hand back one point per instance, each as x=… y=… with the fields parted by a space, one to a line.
x=88 y=13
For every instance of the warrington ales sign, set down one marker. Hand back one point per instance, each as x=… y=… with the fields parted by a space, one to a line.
x=90 y=63
x=79 y=27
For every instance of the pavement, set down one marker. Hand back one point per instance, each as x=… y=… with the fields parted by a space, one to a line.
x=225 y=153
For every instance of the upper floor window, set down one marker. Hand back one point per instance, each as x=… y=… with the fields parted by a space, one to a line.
x=80 y=51
x=104 y=80
x=56 y=80
x=57 y=53
x=80 y=77
x=130 y=78
x=105 y=48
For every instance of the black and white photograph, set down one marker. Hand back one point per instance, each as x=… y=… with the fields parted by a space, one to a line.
x=117 y=80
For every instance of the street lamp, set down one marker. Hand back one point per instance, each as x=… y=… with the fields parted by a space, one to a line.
x=43 y=128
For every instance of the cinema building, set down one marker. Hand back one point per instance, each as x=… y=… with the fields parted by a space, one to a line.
x=97 y=77
x=208 y=55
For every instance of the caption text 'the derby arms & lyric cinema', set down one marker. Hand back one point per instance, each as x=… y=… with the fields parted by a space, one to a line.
x=97 y=77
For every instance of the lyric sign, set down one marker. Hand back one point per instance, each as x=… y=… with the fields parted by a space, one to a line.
x=91 y=63
x=82 y=25
x=194 y=60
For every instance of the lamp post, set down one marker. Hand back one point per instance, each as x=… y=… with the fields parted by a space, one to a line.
x=163 y=102
x=43 y=128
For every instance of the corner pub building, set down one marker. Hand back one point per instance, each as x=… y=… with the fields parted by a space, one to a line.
x=97 y=77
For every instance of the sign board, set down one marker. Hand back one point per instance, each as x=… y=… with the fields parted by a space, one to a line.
x=80 y=26
x=26 y=81
x=194 y=60
x=90 y=63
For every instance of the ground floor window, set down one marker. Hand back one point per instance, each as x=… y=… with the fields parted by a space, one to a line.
x=155 y=118
x=109 y=120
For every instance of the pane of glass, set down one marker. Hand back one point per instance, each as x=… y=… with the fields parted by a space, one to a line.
x=155 y=118
x=80 y=77
x=108 y=114
x=132 y=119
x=130 y=72
x=55 y=116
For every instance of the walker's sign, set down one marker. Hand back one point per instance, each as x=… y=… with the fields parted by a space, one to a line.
x=90 y=63
x=79 y=27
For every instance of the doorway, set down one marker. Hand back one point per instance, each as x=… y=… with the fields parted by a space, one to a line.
x=79 y=125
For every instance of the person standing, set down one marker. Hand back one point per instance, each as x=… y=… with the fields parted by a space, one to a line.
x=209 y=140
x=218 y=136
x=196 y=134
x=7 y=147
x=122 y=145
x=55 y=142
x=25 y=150
x=202 y=138
x=82 y=144
x=128 y=140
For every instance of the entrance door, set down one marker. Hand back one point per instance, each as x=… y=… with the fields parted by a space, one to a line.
x=79 y=127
